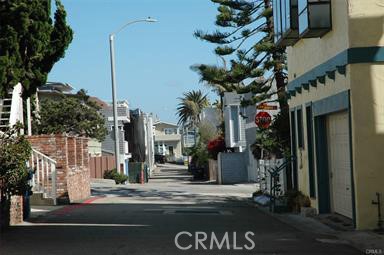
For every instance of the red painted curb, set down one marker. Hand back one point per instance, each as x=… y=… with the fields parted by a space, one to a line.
x=70 y=208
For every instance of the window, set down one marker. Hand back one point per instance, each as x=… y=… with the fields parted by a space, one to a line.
x=235 y=123
x=120 y=128
x=285 y=16
x=314 y=18
x=300 y=135
x=170 y=131
x=276 y=21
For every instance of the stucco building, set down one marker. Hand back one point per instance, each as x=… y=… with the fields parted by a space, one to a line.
x=336 y=78
x=168 y=141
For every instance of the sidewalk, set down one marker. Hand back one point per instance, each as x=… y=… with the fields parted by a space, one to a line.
x=367 y=242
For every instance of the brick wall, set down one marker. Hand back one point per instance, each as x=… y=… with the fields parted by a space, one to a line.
x=72 y=159
x=72 y=168
x=12 y=213
x=78 y=185
x=16 y=210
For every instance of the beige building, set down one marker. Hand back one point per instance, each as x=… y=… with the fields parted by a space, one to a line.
x=168 y=141
x=336 y=88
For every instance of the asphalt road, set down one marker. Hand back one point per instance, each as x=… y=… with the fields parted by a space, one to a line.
x=145 y=219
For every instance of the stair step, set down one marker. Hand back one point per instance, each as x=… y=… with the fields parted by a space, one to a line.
x=38 y=198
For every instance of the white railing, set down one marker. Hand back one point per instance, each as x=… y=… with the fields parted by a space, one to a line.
x=44 y=178
x=264 y=176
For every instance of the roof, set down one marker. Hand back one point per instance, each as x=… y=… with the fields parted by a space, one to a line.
x=167 y=123
x=99 y=102
x=56 y=87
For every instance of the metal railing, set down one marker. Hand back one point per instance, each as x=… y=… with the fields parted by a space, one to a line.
x=44 y=177
x=272 y=178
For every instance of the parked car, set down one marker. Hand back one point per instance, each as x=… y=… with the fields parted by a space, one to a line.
x=160 y=159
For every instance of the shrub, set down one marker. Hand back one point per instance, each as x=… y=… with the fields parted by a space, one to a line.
x=296 y=200
x=15 y=151
x=215 y=146
x=114 y=175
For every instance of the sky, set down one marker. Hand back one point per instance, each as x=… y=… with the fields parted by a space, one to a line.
x=153 y=60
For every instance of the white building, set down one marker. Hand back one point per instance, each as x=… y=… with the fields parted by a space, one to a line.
x=240 y=132
x=168 y=141
x=234 y=122
x=108 y=145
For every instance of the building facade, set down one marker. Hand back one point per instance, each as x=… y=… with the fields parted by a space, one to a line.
x=140 y=135
x=168 y=141
x=336 y=74
x=108 y=145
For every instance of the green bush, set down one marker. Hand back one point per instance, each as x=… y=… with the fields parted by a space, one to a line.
x=296 y=200
x=114 y=175
x=15 y=151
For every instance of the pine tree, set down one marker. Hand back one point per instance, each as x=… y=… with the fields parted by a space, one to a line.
x=245 y=39
x=30 y=42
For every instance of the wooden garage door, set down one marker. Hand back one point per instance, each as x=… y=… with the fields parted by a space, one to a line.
x=340 y=163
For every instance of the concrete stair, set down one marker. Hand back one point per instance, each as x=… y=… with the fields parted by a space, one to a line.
x=38 y=198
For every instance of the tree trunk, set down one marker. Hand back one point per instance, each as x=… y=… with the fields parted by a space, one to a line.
x=278 y=71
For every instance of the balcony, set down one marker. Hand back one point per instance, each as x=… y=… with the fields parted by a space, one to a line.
x=314 y=18
x=164 y=137
x=286 y=27
x=296 y=19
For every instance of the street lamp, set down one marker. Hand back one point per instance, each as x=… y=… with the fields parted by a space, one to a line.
x=113 y=77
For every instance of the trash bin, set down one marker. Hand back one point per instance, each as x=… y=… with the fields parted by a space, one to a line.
x=146 y=173
x=26 y=206
x=135 y=169
x=26 y=200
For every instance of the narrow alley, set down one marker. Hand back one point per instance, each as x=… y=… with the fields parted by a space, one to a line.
x=146 y=219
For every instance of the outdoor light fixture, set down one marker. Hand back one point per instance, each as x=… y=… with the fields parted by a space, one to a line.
x=113 y=78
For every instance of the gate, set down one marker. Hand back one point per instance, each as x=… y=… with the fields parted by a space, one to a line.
x=98 y=165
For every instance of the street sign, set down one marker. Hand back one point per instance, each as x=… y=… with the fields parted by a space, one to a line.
x=264 y=106
x=263 y=119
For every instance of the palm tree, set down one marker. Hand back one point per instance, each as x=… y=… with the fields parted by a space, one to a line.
x=190 y=107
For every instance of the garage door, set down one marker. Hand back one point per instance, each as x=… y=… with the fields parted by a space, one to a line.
x=340 y=163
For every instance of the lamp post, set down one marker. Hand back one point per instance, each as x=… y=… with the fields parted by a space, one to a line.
x=113 y=78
